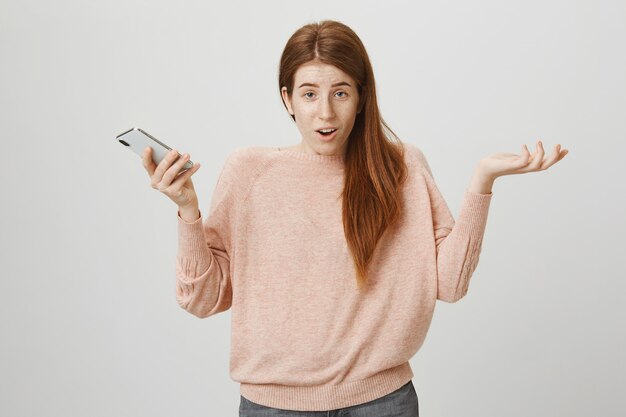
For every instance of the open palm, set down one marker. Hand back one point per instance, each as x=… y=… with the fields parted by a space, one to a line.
x=500 y=164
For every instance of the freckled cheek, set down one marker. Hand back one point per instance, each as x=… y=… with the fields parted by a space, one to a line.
x=347 y=113
x=309 y=118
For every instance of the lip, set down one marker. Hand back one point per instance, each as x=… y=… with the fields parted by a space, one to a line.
x=329 y=137
x=326 y=128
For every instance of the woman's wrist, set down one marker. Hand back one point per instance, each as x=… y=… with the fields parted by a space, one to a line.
x=189 y=213
x=481 y=182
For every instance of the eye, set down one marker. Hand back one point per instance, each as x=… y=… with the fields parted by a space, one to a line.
x=342 y=92
x=305 y=94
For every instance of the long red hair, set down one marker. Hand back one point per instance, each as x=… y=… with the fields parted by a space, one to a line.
x=374 y=161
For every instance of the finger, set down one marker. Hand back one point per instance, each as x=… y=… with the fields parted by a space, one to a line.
x=538 y=157
x=173 y=171
x=164 y=165
x=552 y=159
x=527 y=158
x=182 y=178
x=148 y=163
x=562 y=154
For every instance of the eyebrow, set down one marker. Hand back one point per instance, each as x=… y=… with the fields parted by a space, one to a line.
x=315 y=85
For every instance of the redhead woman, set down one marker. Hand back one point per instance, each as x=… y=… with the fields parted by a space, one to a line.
x=332 y=252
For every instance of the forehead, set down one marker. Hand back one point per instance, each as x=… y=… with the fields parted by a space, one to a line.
x=319 y=73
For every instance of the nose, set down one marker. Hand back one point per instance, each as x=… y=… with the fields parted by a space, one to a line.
x=326 y=110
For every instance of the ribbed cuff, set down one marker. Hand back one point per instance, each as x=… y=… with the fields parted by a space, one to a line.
x=472 y=217
x=194 y=255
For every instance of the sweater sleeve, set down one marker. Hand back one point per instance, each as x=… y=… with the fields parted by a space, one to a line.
x=203 y=285
x=458 y=243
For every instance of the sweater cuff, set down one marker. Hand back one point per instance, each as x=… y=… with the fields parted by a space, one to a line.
x=472 y=217
x=193 y=251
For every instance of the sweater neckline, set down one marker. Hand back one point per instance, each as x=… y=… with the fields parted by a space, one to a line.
x=335 y=160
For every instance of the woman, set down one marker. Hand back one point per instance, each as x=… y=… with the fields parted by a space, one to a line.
x=332 y=252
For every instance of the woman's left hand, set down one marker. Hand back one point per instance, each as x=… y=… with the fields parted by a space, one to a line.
x=500 y=164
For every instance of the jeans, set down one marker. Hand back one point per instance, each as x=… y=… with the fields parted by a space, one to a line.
x=400 y=403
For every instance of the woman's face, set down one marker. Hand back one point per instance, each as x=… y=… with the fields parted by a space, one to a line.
x=323 y=97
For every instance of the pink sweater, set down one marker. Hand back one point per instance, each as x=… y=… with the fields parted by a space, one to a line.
x=272 y=249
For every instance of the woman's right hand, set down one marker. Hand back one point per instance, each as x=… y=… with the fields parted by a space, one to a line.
x=163 y=177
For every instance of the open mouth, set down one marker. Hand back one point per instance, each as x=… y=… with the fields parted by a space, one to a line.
x=327 y=133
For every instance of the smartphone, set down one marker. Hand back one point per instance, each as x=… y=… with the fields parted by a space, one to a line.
x=137 y=140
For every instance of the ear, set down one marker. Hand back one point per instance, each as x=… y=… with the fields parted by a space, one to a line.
x=286 y=100
x=361 y=101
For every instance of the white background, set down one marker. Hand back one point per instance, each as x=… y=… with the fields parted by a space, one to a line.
x=88 y=317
